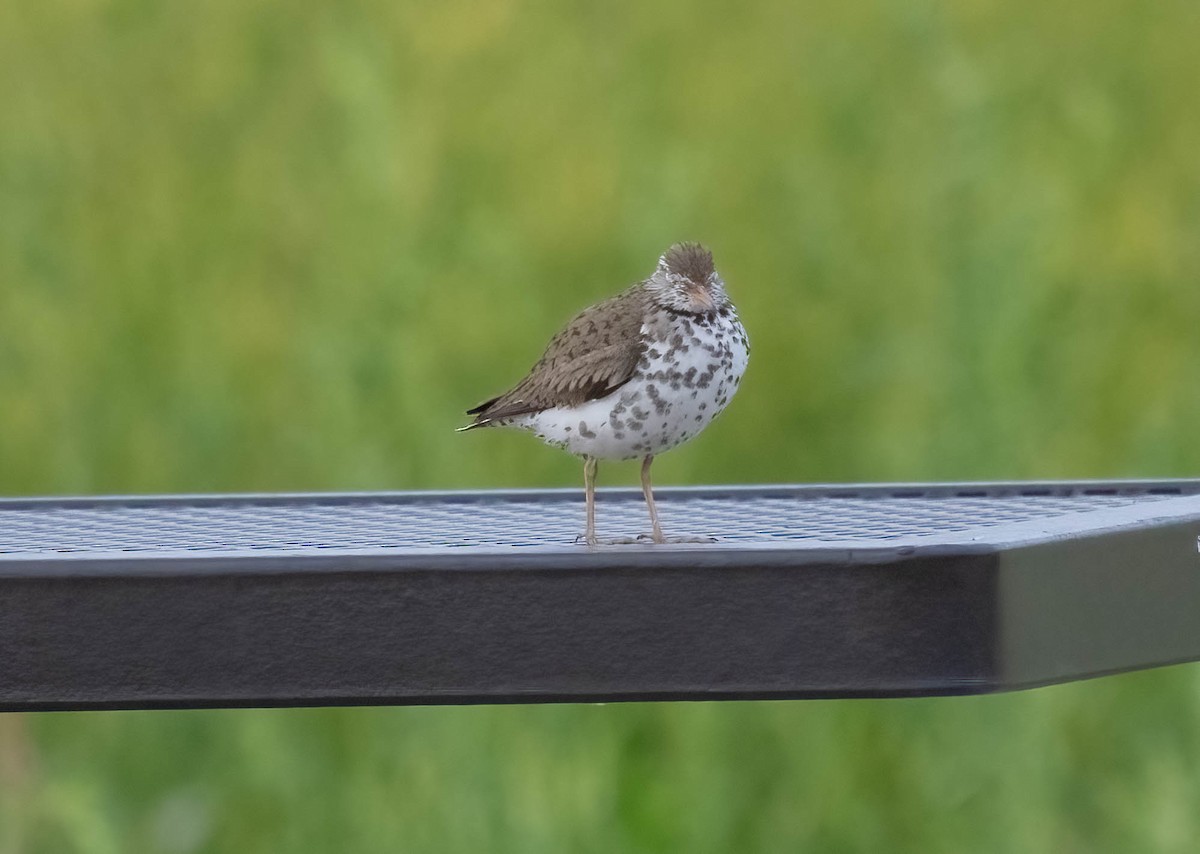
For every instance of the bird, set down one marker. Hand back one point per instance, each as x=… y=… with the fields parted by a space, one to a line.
x=633 y=376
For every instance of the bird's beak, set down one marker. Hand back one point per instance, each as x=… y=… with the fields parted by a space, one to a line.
x=700 y=297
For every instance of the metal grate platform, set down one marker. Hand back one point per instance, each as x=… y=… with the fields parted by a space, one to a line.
x=837 y=590
x=793 y=517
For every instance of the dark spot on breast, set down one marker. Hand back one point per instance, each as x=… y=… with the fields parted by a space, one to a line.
x=585 y=432
x=660 y=405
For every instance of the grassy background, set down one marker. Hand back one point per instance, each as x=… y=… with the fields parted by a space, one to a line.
x=276 y=246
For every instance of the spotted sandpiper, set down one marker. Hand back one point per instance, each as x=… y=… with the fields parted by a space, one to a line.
x=634 y=375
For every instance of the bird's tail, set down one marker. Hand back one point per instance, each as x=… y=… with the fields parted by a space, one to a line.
x=482 y=417
x=473 y=425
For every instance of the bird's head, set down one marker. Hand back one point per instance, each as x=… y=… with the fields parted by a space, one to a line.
x=686 y=280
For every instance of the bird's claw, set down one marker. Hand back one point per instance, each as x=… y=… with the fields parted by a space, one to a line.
x=685 y=538
x=644 y=540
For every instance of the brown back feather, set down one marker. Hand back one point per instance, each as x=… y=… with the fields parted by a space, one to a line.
x=594 y=355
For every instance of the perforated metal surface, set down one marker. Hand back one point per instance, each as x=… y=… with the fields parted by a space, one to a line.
x=779 y=516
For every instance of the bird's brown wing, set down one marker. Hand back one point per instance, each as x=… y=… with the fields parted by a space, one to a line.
x=594 y=355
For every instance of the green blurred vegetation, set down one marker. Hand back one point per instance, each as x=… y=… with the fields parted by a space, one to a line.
x=279 y=246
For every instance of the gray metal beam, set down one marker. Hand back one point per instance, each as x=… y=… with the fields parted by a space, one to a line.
x=819 y=591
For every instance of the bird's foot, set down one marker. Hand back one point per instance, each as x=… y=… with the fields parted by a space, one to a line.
x=643 y=540
x=691 y=538
x=640 y=539
x=608 y=541
x=661 y=538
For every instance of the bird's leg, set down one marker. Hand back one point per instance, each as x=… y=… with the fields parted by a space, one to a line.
x=649 y=493
x=589 y=495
